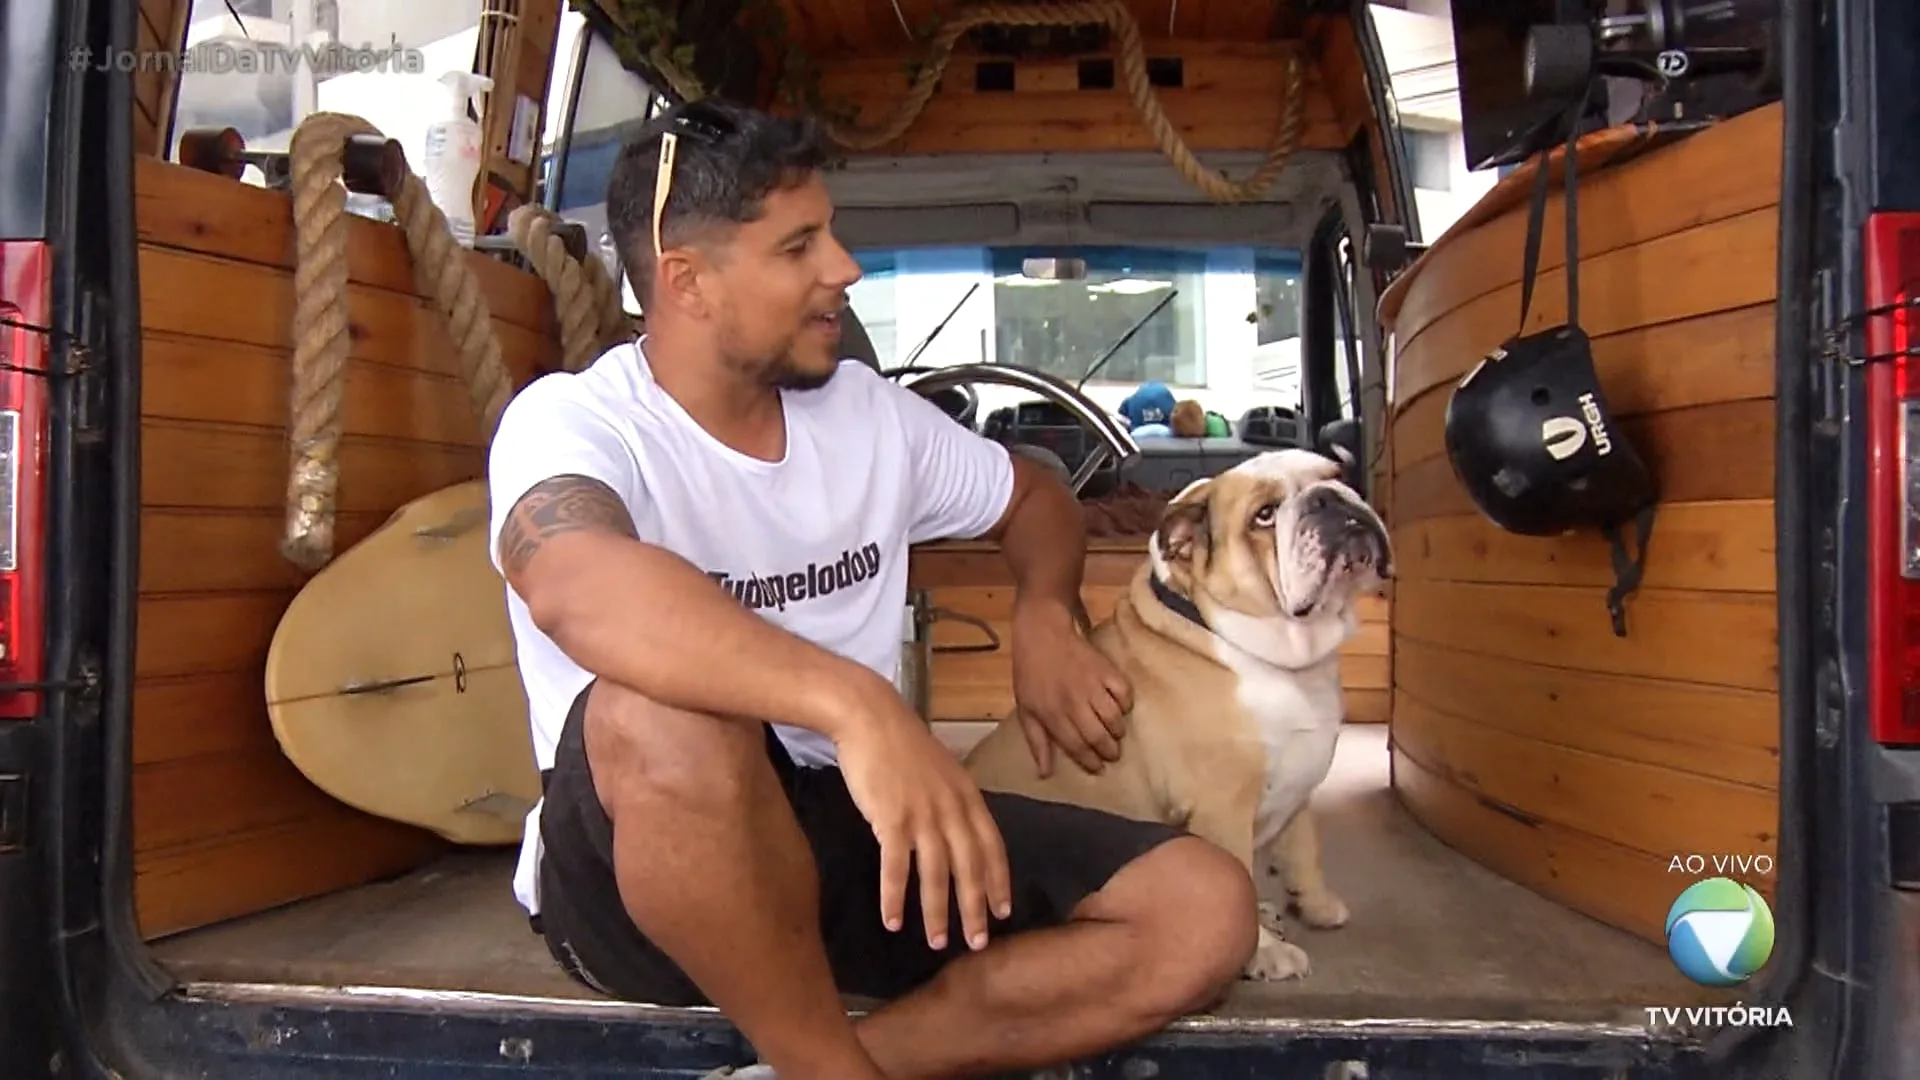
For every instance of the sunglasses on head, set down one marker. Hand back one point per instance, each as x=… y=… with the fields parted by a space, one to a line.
x=703 y=124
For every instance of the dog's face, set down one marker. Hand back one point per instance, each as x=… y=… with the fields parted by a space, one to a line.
x=1275 y=537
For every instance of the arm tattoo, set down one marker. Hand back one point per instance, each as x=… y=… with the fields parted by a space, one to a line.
x=561 y=505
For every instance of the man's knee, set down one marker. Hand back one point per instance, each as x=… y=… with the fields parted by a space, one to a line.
x=660 y=752
x=1197 y=917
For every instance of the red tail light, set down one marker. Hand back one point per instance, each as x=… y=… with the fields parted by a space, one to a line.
x=25 y=283
x=1893 y=479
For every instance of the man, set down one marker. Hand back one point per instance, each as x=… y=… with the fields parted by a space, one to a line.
x=705 y=538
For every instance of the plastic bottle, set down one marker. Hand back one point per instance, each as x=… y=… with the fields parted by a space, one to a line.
x=452 y=158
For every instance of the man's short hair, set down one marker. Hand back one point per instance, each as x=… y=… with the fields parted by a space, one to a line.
x=727 y=160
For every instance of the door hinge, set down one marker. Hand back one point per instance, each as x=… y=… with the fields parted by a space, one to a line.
x=90 y=403
x=13 y=813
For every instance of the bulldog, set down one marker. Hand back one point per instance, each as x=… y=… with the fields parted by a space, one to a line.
x=1230 y=634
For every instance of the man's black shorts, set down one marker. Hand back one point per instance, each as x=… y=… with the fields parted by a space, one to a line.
x=1057 y=855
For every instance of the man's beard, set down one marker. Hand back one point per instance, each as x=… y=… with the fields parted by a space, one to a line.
x=785 y=376
x=779 y=370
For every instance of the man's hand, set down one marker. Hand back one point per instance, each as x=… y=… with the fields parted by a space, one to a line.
x=926 y=811
x=1065 y=691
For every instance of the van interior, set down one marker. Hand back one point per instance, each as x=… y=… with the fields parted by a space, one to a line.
x=1063 y=215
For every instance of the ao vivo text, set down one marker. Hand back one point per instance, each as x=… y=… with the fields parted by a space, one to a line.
x=1761 y=865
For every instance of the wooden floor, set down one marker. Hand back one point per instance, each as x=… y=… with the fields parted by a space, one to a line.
x=1431 y=936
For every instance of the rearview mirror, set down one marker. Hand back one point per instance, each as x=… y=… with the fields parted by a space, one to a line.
x=1051 y=269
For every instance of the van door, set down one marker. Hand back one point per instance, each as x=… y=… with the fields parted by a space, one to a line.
x=1366 y=240
x=606 y=105
x=29 y=36
x=23 y=922
x=1850 y=244
x=1382 y=175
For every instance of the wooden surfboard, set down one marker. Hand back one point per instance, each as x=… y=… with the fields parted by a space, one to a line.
x=391 y=681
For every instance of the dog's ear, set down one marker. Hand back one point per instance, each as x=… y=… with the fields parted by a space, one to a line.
x=1183 y=525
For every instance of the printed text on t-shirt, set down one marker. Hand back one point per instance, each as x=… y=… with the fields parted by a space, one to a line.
x=816 y=579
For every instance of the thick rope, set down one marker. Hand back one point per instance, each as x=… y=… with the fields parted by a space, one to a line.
x=1118 y=18
x=321 y=340
x=585 y=299
x=440 y=265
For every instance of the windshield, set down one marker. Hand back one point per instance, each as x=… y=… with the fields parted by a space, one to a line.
x=1222 y=324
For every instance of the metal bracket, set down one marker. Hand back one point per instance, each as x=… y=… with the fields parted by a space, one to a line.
x=1831 y=345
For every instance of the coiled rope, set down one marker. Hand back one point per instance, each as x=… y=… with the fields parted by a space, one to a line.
x=321 y=336
x=1119 y=19
x=585 y=299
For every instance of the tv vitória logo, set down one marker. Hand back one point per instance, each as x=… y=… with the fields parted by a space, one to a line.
x=1719 y=932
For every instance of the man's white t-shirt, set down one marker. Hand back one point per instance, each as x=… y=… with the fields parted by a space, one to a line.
x=815 y=543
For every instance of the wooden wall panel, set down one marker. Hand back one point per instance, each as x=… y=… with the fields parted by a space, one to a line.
x=971 y=578
x=838 y=27
x=224 y=825
x=976 y=689
x=1231 y=97
x=1366 y=664
x=1524 y=732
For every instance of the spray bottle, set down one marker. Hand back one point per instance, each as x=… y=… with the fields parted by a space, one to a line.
x=452 y=158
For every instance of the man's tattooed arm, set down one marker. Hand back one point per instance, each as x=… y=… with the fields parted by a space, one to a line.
x=563 y=504
x=646 y=618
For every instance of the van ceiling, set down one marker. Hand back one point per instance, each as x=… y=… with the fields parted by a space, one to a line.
x=1106 y=198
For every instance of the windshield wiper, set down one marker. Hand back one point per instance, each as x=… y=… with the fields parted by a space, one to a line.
x=935 y=332
x=1126 y=337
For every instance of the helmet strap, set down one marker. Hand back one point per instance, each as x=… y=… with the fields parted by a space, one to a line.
x=1627 y=569
x=1537 y=219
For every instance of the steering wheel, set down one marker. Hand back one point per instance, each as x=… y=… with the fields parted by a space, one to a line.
x=967 y=409
x=1112 y=446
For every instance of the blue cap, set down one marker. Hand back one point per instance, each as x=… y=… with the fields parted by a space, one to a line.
x=1150 y=403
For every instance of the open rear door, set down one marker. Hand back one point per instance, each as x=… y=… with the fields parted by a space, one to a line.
x=1853 y=243
x=39 y=685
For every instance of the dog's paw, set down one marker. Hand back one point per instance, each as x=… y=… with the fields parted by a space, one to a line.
x=1321 y=910
x=1272 y=916
x=1276 y=959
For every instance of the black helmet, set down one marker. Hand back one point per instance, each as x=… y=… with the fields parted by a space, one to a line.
x=1528 y=430
x=1531 y=438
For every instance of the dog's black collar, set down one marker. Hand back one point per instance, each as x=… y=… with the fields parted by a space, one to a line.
x=1179 y=605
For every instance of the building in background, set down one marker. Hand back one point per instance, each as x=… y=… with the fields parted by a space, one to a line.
x=1417 y=38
